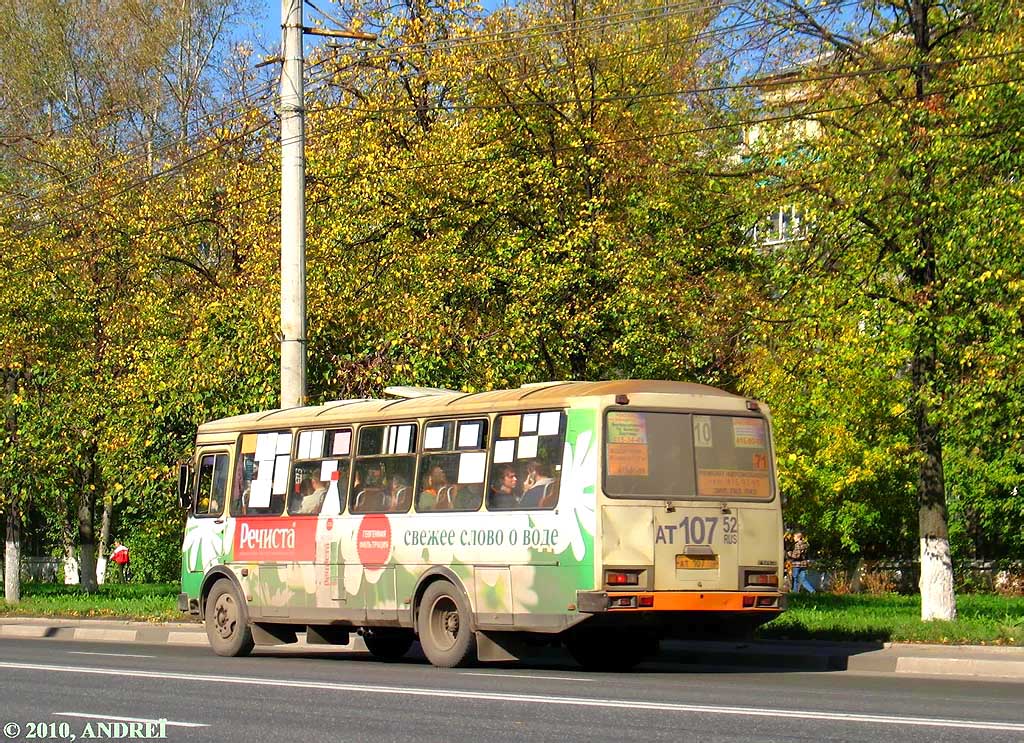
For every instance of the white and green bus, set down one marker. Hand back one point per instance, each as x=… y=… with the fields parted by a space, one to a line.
x=605 y=515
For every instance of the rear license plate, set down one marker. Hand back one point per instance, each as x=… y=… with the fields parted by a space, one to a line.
x=703 y=562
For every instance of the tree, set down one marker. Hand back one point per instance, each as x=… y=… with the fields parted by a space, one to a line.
x=898 y=146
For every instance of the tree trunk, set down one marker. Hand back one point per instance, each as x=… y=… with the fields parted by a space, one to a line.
x=937 y=598
x=12 y=557
x=86 y=529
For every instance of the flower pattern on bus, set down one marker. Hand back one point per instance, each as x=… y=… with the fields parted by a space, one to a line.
x=577 y=519
x=207 y=543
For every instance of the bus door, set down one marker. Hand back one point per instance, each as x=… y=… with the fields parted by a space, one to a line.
x=207 y=542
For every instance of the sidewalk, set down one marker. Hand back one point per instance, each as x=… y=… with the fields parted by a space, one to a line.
x=994 y=663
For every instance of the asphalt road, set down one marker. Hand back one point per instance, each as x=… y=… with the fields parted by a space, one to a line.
x=282 y=696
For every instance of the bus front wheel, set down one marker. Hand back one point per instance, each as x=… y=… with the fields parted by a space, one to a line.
x=444 y=627
x=227 y=621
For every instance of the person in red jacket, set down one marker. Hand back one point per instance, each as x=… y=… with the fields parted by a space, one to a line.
x=122 y=557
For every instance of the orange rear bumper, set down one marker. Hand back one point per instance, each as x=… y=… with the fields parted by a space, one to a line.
x=695 y=601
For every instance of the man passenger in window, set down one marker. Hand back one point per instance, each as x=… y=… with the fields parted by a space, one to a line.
x=540 y=486
x=315 y=489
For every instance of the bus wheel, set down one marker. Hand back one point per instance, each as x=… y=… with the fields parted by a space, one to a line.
x=227 y=621
x=388 y=644
x=444 y=626
x=609 y=651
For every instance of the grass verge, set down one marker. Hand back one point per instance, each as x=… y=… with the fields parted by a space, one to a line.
x=982 y=619
x=145 y=602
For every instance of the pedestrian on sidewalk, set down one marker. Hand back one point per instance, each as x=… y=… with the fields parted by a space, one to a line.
x=122 y=557
x=798 y=561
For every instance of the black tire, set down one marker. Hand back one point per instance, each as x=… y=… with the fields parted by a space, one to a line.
x=609 y=651
x=388 y=643
x=227 y=621
x=445 y=627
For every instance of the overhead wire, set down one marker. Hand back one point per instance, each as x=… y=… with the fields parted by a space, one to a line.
x=489 y=159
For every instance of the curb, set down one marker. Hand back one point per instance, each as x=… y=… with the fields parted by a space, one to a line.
x=979 y=662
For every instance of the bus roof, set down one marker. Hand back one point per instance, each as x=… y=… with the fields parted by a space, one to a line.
x=433 y=402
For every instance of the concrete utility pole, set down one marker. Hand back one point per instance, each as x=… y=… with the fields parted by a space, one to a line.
x=293 y=200
x=293 y=210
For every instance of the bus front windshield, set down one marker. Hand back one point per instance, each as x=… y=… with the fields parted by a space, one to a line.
x=686 y=455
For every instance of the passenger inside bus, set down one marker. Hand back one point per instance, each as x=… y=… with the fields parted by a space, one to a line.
x=369 y=490
x=438 y=493
x=313 y=490
x=505 y=491
x=540 y=488
x=401 y=495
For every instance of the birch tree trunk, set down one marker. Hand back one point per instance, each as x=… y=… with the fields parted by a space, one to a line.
x=12 y=557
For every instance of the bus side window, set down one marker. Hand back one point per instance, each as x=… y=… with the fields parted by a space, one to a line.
x=319 y=483
x=526 y=461
x=452 y=466
x=384 y=469
x=261 y=476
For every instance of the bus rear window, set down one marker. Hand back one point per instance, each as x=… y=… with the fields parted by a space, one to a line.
x=681 y=455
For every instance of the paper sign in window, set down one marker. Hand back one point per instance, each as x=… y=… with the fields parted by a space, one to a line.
x=434 y=437
x=527 y=447
x=734 y=483
x=404 y=443
x=284 y=443
x=259 y=494
x=547 y=425
x=316 y=444
x=628 y=460
x=304 y=445
x=469 y=435
x=327 y=468
x=529 y=423
x=342 y=442
x=266 y=446
x=748 y=433
x=702 y=431
x=627 y=428
x=509 y=426
x=471 y=467
x=281 y=475
x=504 y=451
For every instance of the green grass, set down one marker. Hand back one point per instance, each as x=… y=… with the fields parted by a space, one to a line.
x=147 y=602
x=982 y=619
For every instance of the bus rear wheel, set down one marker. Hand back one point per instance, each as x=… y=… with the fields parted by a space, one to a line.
x=387 y=643
x=444 y=626
x=227 y=621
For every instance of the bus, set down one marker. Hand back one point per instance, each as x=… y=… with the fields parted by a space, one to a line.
x=605 y=516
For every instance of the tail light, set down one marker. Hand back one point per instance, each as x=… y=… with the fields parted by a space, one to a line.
x=622 y=577
x=763 y=579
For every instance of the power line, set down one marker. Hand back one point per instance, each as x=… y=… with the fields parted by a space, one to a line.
x=558 y=150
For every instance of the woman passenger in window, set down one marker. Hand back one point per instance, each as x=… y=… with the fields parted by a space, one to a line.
x=437 y=494
x=505 y=488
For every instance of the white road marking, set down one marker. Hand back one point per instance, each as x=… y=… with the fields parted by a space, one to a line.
x=461 y=694
x=524 y=676
x=117 y=718
x=112 y=655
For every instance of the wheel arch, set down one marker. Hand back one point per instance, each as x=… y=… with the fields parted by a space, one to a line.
x=215 y=574
x=434 y=575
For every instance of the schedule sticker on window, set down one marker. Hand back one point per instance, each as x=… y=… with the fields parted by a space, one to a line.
x=628 y=455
